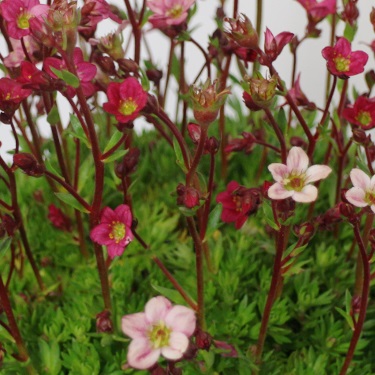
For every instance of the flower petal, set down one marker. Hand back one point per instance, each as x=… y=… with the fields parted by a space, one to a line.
x=141 y=355
x=134 y=325
x=297 y=160
x=278 y=191
x=360 y=179
x=124 y=214
x=178 y=343
x=181 y=319
x=317 y=172
x=157 y=308
x=278 y=171
x=356 y=196
x=308 y=194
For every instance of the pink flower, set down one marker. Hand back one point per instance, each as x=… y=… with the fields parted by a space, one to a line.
x=11 y=95
x=318 y=10
x=114 y=230
x=169 y=12
x=238 y=203
x=125 y=99
x=17 y=14
x=361 y=113
x=15 y=57
x=342 y=62
x=274 y=45
x=293 y=179
x=162 y=329
x=363 y=192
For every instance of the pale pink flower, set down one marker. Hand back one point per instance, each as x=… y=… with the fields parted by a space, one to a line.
x=363 y=192
x=169 y=12
x=162 y=329
x=293 y=179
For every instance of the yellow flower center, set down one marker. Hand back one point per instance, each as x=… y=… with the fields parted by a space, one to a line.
x=342 y=63
x=118 y=231
x=128 y=106
x=363 y=117
x=159 y=335
x=370 y=197
x=294 y=182
x=23 y=21
x=175 y=12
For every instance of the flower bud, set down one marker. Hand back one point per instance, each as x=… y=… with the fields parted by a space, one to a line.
x=104 y=322
x=129 y=163
x=28 y=164
x=261 y=90
x=246 y=144
x=372 y=17
x=348 y=211
x=242 y=31
x=298 y=141
x=106 y=64
x=154 y=75
x=212 y=145
x=128 y=66
x=203 y=340
x=351 y=12
x=230 y=350
x=360 y=136
x=187 y=196
x=207 y=102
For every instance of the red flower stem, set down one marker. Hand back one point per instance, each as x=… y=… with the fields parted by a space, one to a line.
x=34 y=132
x=25 y=136
x=142 y=13
x=81 y=235
x=24 y=49
x=197 y=157
x=18 y=218
x=199 y=270
x=5 y=205
x=99 y=185
x=174 y=282
x=205 y=55
x=369 y=163
x=159 y=128
x=173 y=128
x=23 y=354
x=70 y=189
x=364 y=300
x=15 y=135
x=80 y=118
x=5 y=326
x=279 y=134
x=60 y=157
x=359 y=268
x=11 y=266
x=183 y=89
x=169 y=276
x=332 y=42
x=168 y=74
x=258 y=27
x=115 y=147
x=342 y=98
x=280 y=247
x=267 y=145
x=136 y=32
x=76 y=163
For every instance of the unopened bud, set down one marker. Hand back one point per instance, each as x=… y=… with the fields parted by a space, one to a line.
x=360 y=136
x=154 y=75
x=106 y=64
x=348 y=211
x=128 y=65
x=351 y=12
x=104 y=322
x=28 y=164
x=261 y=90
x=203 y=340
x=129 y=163
x=297 y=141
x=212 y=145
x=242 y=32
x=187 y=196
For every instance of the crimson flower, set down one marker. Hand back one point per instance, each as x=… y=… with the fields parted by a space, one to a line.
x=11 y=95
x=342 y=62
x=17 y=14
x=114 y=230
x=318 y=10
x=273 y=45
x=298 y=95
x=361 y=113
x=125 y=99
x=238 y=203
x=85 y=71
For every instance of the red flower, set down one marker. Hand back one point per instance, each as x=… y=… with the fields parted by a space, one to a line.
x=114 y=230
x=342 y=62
x=125 y=99
x=298 y=95
x=361 y=113
x=238 y=203
x=58 y=219
x=17 y=13
x=318 y=10
x=246 y=144
x=11 y=95
x=274 y=45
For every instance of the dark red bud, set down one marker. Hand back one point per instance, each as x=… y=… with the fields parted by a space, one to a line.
x=360 y=136
x=5 y=118
x=348 y=211
x=9 y=224
x=129 y=163
x=298 y=141
x=230 y=350
x=158 y=371
x=194 y=131
x=351 y=12
x=106 y=64
x=154 y=75
x=249 y=102
x=104 y=322
x=128 y=65
x=187 y=196
x=212 y=145
x=28 y=164
x=203 y=340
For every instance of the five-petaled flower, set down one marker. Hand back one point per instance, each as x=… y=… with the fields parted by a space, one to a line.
x=318 y=10
x=238 y=203
x=363 y=192
x=273 y=45
x=17 y=14
x=162 y=329
x=114 y=230
x=293 y=178
x=125 y=99
x=169 y=12
x=361 y=113
x=342 y=62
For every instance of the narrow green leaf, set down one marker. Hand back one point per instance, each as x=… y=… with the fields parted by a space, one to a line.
x=71 y=201
x=347 y=317
x=50 y=168
x=178 y=153
x=4 y=245
x=214 y=220
x=53 y=116
x=114 y=139
x=67 y=77
x=116 y=155
x=171 y=294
